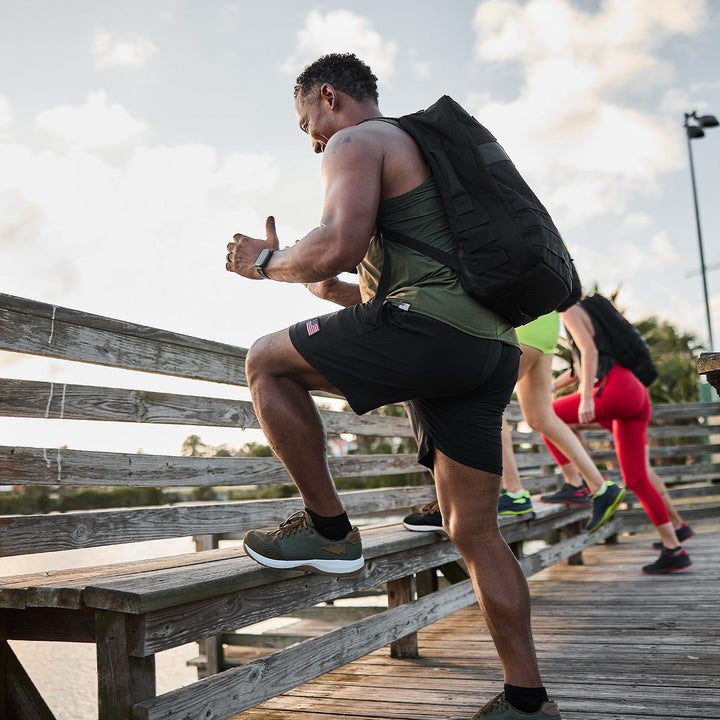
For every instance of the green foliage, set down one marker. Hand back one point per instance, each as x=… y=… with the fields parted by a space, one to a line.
x=675 y=355
x=266 y=492
x=381 y=481
x=204 y=493
x=39 y=499
x=193 y=446
x=254 y=449
x=31 y=499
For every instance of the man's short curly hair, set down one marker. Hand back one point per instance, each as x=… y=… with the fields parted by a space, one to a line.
x=344 y=71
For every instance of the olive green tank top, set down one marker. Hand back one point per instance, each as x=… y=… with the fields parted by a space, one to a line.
x=417 y=282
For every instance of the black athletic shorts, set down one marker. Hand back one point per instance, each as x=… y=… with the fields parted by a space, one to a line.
x=458 y=384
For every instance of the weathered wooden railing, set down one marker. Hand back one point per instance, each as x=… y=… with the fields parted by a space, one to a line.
x=132 y=610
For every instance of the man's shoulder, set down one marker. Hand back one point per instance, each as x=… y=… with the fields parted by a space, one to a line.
x=367 y=133
x=376 y=127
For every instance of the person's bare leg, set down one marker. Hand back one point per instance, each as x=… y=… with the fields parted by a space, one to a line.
x=280 y=379
x=511 y=476
x=657 y=481
x=571 y=475
x=534 y=392
x=468 y=502
x=667 y=535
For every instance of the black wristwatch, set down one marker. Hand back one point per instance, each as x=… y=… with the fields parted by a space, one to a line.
x=262 y=260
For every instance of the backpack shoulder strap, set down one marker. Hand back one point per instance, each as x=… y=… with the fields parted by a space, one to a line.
x=445 y=258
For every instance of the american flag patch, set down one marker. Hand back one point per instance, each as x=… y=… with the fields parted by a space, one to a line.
x=312 y=326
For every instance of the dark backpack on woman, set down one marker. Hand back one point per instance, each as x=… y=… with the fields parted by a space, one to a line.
x=627 y=345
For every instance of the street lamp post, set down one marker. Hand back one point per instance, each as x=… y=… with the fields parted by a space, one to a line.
x=694 y=128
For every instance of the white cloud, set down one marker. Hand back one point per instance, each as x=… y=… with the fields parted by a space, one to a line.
x=638 y=220
x=21 y=221
x=111 y=52
x=95 y=125
x=577 y=126
x=343 y=31
x=633 y=257
x=143 y=238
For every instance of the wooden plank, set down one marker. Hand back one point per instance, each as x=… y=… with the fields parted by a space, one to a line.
x=26 y=398
x=25 y=534
x=50 y=624
x=60 y=466
x=383 y=551
x=171 y=627
x=553 y=554
x=65 y=588
x=14 y=589
x=52 y=331
x=64 y=401
x=676 y=411
x=288 y=668
x=656 y=432
x=152 y=587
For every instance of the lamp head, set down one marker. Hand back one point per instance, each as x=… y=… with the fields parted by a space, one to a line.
x=708 y=121
x=694 y=131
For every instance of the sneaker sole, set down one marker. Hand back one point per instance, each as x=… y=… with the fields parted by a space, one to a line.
x=668 y=570
x=609 y=512
x=317 y=565
x=565 y=502
x=515 y=512
x=424 y=528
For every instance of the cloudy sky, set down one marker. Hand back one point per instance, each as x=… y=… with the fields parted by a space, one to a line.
x=137 y=137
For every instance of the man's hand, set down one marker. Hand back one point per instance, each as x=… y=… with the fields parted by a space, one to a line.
x=243 y=251
x=324 y=288
x=335 y=290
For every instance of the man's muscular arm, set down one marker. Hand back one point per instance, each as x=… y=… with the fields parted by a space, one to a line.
x=352 y=171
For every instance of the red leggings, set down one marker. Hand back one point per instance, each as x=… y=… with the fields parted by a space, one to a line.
x=624 y=407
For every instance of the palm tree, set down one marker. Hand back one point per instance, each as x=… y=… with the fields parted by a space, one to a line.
x=193 y=446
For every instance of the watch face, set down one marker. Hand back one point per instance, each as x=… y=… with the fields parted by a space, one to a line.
x=263 y=258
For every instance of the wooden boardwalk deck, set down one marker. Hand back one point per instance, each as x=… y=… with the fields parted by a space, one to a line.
x=613 y=645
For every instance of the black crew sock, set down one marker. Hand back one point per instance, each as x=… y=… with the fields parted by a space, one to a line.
x=335 y=527
x=525 y=699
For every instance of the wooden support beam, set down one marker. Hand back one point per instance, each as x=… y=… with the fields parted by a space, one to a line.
x=122 y=680
x=400 y=592
x=19 y=698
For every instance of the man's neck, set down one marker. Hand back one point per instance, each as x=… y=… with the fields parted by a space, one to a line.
x=363 y=110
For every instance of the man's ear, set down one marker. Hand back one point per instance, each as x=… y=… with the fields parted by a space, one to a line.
x=329 y=95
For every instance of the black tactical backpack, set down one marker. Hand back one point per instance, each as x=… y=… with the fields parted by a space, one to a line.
x=510 y=256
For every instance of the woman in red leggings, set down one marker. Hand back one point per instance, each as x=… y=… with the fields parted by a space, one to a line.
x=610 y=393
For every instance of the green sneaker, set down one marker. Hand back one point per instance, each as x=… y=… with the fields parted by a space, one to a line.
x=297 y=545
x=500 y=709
x=509 y=505
x=604 y=504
